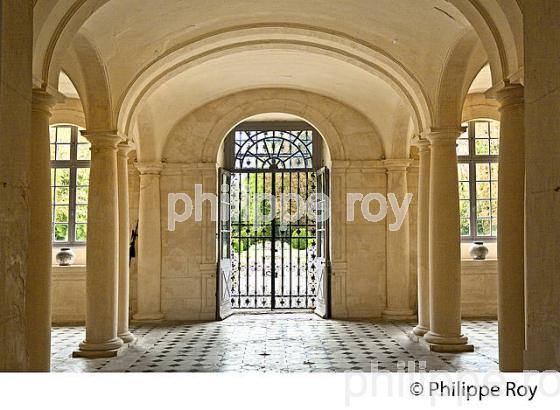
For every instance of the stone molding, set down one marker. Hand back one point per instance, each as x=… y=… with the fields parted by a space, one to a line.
x=510 y=96
x=100 y=140
x=124 y=149
x=149 y=168
x=423 y=144
x=445 y=136
x=397 y=165
x=43 y=101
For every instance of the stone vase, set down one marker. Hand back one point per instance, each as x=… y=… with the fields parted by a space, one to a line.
x=65 y=257
x=478 y=251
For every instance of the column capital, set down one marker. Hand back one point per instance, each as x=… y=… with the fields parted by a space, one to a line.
x=43 y=101
x=423 y=144
x=149 y=168
x=510 y=95
x=395 y=165
x=124 y=148
x=445 y=136
x=102 y=139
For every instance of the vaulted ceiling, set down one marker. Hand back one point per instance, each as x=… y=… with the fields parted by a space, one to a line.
x=386 y=59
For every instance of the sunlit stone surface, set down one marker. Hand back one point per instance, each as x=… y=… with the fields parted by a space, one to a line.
x=280 y=343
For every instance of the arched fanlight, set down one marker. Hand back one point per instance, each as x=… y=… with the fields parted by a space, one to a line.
x=273 y=149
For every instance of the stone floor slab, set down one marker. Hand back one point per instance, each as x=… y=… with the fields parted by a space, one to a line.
x=279 y=343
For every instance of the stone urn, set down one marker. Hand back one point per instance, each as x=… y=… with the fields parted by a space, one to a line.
x=65 y=257
x=478 y=251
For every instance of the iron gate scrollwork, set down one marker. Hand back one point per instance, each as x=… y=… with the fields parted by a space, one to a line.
x=273 y=250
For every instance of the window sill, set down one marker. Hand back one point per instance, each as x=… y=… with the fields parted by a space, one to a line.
x=487 y=260
x=69 y=273
x=479 y=267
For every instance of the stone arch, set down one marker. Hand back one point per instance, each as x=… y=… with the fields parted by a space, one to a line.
x=84 y=66
x=56 y=23
x=200 y=134
x=70 y=112
x=336 y=45
x=464 y=62
x=478 y=106
x=499 y=25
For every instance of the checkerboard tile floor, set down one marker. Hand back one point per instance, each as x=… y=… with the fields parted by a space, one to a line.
x=279 y=343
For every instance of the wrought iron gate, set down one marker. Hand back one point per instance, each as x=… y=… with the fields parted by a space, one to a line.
x=272 y=262
x=271 y=256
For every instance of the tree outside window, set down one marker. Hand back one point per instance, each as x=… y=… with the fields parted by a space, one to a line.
x=70 y=162
x=478 y=152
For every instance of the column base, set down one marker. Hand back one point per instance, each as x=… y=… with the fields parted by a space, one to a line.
x=148 y=317
x=127 y=338
x=397 y=314
x=446 y=344
x=108 y=349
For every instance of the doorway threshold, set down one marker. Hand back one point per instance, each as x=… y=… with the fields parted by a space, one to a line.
x=270 y=311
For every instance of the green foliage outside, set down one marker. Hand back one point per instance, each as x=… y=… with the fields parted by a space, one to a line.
x=254 y=232
x=299 y=240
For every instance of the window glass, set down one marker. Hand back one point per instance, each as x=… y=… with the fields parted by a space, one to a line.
x=272 y=149
x=70 y=156
x=464 y=198
x=478 y=150
x=463 y=143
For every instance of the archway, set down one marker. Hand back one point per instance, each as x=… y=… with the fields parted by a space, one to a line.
x=274 y=218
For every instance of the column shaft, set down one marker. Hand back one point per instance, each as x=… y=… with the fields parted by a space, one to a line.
x=445 y=252
x=16 y=55
x=102 y=250
x=511 y=210
x=124 y=237
x=39 y=260
x=398 y=247
x=423 y=239
x=149 y=244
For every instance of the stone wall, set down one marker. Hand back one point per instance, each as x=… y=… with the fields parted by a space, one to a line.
x=68 y=295
x=189 y=253
x=479 y=288
x=358 y=254
x=358 y=249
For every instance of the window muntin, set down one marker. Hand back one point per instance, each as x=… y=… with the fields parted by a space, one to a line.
x=70 y=162
x=273 y=146
x=477 y=152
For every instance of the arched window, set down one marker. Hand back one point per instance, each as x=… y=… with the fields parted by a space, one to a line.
x=281 y=146
x=477 y=151
x=70 y=162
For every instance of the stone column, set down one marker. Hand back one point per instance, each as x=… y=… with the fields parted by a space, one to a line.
x=445 y=252
x=149 y=244
x=511 y=232
x=102 y=250
x=124 y=243
x=423 y=239
x=398 y=246
x=542 y=202
x=16 y=36
x=39 y=259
